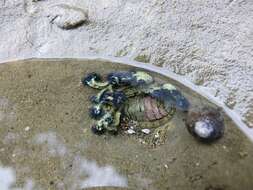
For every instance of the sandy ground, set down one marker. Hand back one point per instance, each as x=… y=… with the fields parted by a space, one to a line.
x=210 y=42
x=46 y=143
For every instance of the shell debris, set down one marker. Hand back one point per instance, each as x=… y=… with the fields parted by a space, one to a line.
x=130 y=131
x=146 y=131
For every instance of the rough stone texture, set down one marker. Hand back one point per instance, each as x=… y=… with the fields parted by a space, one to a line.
x=211 y=42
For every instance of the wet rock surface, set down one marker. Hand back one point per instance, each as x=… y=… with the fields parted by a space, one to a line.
x=209 y=42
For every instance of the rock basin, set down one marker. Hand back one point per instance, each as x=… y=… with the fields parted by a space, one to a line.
x=46 y=143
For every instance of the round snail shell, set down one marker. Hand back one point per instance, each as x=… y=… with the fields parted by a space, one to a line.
x=206 y=124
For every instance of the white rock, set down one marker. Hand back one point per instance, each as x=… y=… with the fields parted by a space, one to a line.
x=67 y=17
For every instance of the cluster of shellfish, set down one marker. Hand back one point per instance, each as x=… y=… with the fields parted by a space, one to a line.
x=135 y=96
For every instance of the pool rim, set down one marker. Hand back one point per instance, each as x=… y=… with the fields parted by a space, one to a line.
x=183 y=80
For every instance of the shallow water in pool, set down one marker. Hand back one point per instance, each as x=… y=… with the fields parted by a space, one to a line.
x=46 y=142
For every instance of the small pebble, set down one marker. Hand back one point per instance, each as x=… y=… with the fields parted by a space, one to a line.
x=142 y=141
x=171 y=160
x=243 y=154
x=27 y=128
x=85 y=130
x=130 y=131
x=67 y=17
x=146 y=131
x=166 y=166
